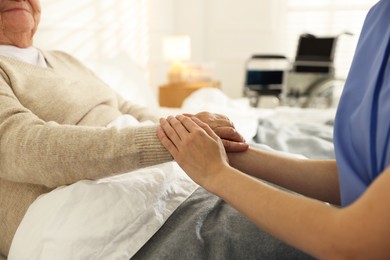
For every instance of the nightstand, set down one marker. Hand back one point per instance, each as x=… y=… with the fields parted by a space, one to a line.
x=173 y=94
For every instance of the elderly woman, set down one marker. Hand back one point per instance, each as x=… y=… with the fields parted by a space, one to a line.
x=53 y=113
x=358 y=180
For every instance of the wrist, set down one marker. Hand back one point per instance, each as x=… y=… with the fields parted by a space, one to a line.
x=235 y=158
x=219 y=179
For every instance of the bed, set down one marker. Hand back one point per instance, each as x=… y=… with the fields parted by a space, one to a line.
x=170 y=216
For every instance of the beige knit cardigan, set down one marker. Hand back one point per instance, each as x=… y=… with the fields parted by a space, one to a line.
x=52 y=133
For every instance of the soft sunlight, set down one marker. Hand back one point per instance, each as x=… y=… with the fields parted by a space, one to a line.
x=93 y=30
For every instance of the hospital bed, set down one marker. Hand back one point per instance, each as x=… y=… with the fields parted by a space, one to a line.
x=180 y=227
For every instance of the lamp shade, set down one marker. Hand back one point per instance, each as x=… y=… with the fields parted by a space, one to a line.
x=177 y=48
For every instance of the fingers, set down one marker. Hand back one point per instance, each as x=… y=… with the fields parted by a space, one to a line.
x=166 y=142
x=178 y=128
x=231 y=139
x=221 y=125
x=192 y=124
x=214 y=120
x=229 y=133
x=173 y=129
x=205 y=127
x=188 y=123
x=234 y=147
x=218 y=122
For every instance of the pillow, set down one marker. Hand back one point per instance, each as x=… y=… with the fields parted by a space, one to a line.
x=125 y=77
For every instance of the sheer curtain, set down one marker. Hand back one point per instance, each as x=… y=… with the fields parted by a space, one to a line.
x=96 y=29
x=328 y=18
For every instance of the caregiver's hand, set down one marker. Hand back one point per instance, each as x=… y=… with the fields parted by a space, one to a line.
x=194 y=146
x=224 y=128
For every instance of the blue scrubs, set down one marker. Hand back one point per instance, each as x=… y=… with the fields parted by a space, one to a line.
x=362 y=125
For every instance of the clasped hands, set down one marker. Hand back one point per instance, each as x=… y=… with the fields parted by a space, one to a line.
x=199 y=143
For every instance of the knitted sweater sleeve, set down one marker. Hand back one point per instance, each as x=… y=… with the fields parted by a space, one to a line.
x=50 y=154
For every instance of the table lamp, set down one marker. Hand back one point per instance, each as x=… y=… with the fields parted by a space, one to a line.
x=176 y=50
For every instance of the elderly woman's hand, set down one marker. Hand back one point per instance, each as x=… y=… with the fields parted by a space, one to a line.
x=224 y=128
x=194 y=146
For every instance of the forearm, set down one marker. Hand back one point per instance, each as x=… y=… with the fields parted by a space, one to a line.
x=314 y=178
x=55 y=155
x=359 y=231
x=301 y=222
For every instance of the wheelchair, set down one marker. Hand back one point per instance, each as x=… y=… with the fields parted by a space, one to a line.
x=308 y=81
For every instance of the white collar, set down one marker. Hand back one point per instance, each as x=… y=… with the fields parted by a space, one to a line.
x=30 y=55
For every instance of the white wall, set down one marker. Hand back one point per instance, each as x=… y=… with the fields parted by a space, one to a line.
x=161 y=21
x=224 y=32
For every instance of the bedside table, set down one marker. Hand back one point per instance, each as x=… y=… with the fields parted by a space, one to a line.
x=173 y=94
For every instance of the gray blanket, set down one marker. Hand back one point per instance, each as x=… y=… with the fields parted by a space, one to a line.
x=205 y=227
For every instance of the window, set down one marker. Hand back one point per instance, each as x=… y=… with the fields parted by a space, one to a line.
x=93 y=30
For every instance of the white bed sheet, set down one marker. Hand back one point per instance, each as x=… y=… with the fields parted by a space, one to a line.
x=111 y=218
x=107 y=219
x=308 y=132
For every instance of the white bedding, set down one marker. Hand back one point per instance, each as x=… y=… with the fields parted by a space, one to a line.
x=308 y=132
x=112 y=218
x=107 y=219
